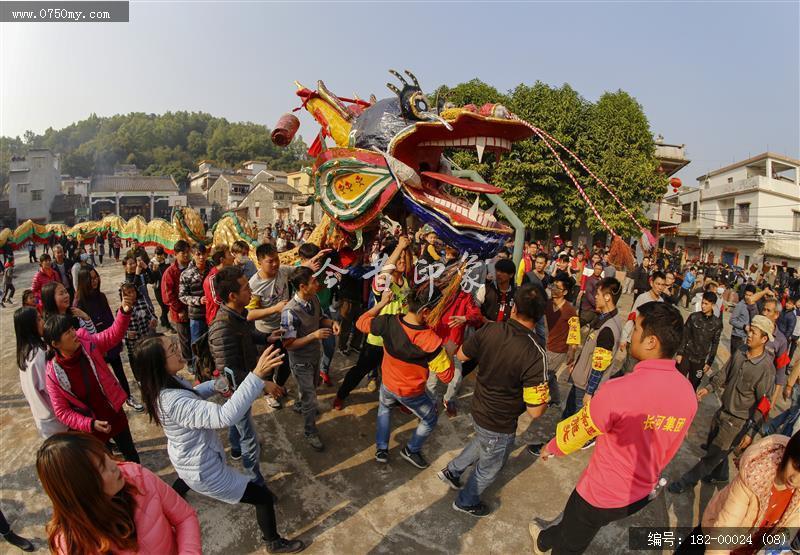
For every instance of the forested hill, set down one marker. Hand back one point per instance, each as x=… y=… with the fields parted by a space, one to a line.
x=171 y=143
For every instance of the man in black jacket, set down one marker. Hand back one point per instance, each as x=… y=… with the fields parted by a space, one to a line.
x=641 y=277
x=232 y=341
x=701 y=335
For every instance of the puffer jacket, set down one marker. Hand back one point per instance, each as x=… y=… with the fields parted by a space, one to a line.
x=70 y=410
x=195 y=450
x=701 y=335
x=232 y=341
x=743 y=502
x=191 y=290
x=165 y=523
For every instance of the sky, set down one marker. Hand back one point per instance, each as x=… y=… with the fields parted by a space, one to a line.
x=723 y=78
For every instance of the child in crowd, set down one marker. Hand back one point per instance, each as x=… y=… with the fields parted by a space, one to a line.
x=306 y=325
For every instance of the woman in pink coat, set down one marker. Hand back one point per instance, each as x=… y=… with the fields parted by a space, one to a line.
x=104 y=506
x=84 y=392
x=763 y=498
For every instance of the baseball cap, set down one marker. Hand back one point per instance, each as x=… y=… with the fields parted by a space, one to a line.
x=764 y=324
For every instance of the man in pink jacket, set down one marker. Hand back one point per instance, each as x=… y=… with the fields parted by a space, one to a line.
x=639 y=420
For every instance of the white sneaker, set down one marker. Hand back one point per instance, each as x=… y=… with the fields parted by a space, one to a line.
x=272 y=402
x=134 y=404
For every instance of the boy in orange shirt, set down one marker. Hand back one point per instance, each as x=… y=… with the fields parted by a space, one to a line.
x=411 y=351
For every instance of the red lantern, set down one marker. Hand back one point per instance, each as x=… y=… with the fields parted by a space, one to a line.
x=675 y=183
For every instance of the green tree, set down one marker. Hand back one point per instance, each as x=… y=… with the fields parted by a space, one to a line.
x=611 y=136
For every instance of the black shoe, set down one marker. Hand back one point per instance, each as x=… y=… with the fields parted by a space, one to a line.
x=414 y=458
x=236 y=454
x=449 y=478
x=704 y=447
x=713 y=481
x=382 y=456
x=535 y=449
x=479 y=510
x=18 y=541
x=676 y=487
x=588 y=444
x=282 y=545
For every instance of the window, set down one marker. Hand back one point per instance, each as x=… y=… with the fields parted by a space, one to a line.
x=38 y=163
x=295 y=181
x=730 y=180
x=796 y=222
x=22 y=188
x=694 y=210
x=744 y=213
x=258 y=211
x=36 y=195
x=686 y=213
x=730 y=217
x=746 y=260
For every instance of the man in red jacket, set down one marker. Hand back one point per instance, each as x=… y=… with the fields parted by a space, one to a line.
x=170 y=285
x=639 y=420
x=220 y=257
x=460 y=313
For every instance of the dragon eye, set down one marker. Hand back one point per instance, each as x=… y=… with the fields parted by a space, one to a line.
x=419 y=105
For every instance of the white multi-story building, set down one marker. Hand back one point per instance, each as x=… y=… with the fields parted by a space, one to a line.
x=34 y=181
x=745 y=213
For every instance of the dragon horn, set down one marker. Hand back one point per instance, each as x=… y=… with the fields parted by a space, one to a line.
x=402 y=80
x=413 y=78
x=394 y=89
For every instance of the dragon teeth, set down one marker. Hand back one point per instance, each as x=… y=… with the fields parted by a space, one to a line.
x=480 y=146
x=474 y=211
x=496 y=142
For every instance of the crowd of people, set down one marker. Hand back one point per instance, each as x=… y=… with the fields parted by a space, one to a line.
x=236 y=328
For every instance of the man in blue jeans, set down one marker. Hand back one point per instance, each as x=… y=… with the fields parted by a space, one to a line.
x=233 y=342
x=785 y=421
x=191 y=294
x=511 y=379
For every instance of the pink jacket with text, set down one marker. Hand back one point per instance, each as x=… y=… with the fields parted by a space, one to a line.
x=68 y=408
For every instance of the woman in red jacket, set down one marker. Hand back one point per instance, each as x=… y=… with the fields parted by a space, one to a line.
x=104 y=506
x=45 y=275
x=85 y=394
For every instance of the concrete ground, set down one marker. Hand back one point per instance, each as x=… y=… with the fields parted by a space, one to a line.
x=341 y=501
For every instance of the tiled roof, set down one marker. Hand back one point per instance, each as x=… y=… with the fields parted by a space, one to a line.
x=280 y=187
x=197 y=200
x=236 y=178
x=125 y=183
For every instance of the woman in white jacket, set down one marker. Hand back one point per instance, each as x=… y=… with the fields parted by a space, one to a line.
x=191 y=423
x=31 y=350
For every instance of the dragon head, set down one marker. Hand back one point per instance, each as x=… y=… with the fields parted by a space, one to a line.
x=397 y=144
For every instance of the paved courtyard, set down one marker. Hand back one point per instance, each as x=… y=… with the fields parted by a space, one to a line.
x=340 y=501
